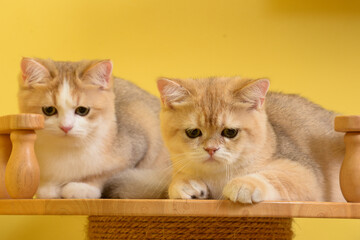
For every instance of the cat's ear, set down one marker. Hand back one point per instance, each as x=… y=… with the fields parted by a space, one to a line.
x=99 y=74
x=171 y=92
x=254 y=93
x=33 y=72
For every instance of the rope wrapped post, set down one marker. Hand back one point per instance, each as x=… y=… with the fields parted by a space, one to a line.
x=350 y=168
x=188 y=227
x=19 y=171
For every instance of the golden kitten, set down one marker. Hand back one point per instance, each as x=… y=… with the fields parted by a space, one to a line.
x=96 y=127
x=227 y=139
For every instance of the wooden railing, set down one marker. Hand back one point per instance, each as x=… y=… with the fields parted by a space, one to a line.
x=19 y=179
x=19 y=169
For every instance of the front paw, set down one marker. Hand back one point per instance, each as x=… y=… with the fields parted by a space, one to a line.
x=188 y=189
x=78 y=190
x=48 y=191
x=250 y=189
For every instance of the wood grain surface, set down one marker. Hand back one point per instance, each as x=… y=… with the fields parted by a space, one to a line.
x=24 y=121
x=347 y=123
x=5 y=151
x=22 y=175
x=168 y=207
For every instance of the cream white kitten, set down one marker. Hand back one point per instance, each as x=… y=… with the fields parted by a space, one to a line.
x=96 y=127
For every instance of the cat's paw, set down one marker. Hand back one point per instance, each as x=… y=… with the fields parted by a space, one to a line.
x=80 y=190
x=48 y=191
x=250 y=189
x=188 y=189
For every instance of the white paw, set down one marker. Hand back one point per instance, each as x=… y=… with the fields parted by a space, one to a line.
x=48 y=191
x=80 y=190
x=250 y=189
x=189 y=189
x=243 y=192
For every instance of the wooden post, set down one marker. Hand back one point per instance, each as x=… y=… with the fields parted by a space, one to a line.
x=22 y=175
x=19 y=171
x=350 y=169
x=5 y=150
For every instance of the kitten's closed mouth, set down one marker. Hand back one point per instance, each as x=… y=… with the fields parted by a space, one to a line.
x=211 y=160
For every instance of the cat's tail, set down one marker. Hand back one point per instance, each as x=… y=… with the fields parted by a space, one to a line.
x=138 y=183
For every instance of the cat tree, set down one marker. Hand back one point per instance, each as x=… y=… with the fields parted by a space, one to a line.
x=165 y=219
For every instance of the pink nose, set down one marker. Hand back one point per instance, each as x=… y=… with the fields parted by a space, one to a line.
x=211 y=150
x=66 y=129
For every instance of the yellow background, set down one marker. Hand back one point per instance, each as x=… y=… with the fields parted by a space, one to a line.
x=306 y=47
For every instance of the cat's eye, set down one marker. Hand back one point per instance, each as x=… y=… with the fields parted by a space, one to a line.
x=82 y=111
x=229 y=132
x=193 y=133
x=49 y=111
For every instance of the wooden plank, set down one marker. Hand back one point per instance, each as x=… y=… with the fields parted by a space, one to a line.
x=24 y=121
x=347 y=123
x=168 y=207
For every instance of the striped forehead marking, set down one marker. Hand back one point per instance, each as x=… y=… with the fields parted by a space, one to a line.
x=65 y=99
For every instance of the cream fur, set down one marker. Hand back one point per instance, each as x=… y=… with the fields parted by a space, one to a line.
x=111 y=139
x=285 y=148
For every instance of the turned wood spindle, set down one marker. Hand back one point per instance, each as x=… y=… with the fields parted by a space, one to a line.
x=5 y=150
x=350 y=169
x=19 y=170
x=22 y=175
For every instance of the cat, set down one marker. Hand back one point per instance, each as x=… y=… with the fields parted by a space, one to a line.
x=98 y=129
x=229 y=138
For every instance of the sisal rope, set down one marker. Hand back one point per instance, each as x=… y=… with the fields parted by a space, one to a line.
x=148 y=227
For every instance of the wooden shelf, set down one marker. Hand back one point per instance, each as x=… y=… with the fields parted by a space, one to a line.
x=211 y=208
